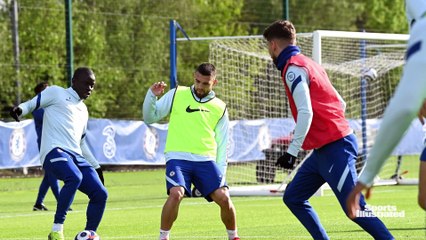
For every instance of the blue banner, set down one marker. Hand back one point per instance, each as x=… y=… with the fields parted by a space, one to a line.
x=18 y=145
x=120 y=142
x=126 y=142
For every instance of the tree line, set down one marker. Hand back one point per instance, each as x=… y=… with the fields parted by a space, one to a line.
x=126 y=42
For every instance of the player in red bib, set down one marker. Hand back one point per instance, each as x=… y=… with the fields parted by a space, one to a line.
x=319 y=113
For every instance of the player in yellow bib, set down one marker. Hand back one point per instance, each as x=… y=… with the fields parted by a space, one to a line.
x=196 y=146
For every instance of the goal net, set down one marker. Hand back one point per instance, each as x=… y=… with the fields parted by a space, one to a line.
x=261 y=121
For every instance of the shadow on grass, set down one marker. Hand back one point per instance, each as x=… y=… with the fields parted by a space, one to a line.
x=390 y=229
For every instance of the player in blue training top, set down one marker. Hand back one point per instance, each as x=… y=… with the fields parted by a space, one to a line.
x=195 y=147
x=64 y=151
x=49 y=179
x=319 y=113
x=403 y=108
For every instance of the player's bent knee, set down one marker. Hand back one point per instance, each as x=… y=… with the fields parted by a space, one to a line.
x=222 y=199
x=287 y=199
x=99 y=195
x=103 y=194
x=73 y=179
x=177 y=193
x=225 y=202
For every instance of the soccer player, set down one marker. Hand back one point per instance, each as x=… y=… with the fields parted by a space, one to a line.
x=49 y=180
x=318 y=111
x=64 y=151
x=196 y=145
x=403 y=108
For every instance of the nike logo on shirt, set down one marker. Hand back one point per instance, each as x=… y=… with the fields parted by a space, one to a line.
x=190 y=110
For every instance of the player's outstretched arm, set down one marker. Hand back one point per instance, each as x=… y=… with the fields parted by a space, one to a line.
x=41 y=100
x=154 y=110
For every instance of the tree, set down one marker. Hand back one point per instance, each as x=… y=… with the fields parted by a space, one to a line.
x=127 y=42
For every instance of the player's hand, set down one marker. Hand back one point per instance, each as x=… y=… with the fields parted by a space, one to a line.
x=158 y=88
x=15 y=112
x=286 y=161
x=422 y=113
x=100 y=174
x=352 y=202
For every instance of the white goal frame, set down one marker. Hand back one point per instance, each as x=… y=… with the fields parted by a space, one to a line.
x=317 y=36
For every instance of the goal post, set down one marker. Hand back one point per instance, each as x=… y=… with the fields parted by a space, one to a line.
x=252 y=88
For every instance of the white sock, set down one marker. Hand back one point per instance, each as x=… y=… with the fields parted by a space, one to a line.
x=58 y=227
x=164 y=235
x=232 y=234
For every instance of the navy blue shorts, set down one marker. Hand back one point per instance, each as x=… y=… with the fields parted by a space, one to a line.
x=423 y=155
x=205 y=176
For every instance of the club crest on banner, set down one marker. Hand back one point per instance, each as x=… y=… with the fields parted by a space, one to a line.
x=151 y=142
x=17 y=144
x=263 y=138
x=109 y=147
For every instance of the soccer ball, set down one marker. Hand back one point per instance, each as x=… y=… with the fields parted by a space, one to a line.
x=87 y=235
x=370 y=74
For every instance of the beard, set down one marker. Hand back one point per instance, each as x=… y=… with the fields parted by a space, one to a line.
x=200 y=93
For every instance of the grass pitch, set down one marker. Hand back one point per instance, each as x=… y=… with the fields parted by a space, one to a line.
x=136 y=199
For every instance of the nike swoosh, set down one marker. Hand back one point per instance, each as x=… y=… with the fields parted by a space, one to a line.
x=190 y=110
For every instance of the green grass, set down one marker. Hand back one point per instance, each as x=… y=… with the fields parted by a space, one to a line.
x=136 y=199
x=245 y=173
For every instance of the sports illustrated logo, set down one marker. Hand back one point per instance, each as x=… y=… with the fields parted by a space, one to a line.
x=172 y=173
x=291 y=76
x=381 y=212
x=17 y=145
x=109 y=147
x=151 y=142
x=190 y=110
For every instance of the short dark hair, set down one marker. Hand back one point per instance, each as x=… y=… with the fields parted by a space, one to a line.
x=40 y=87
x=280 y=29
x=206 y=69
x=82 y=72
